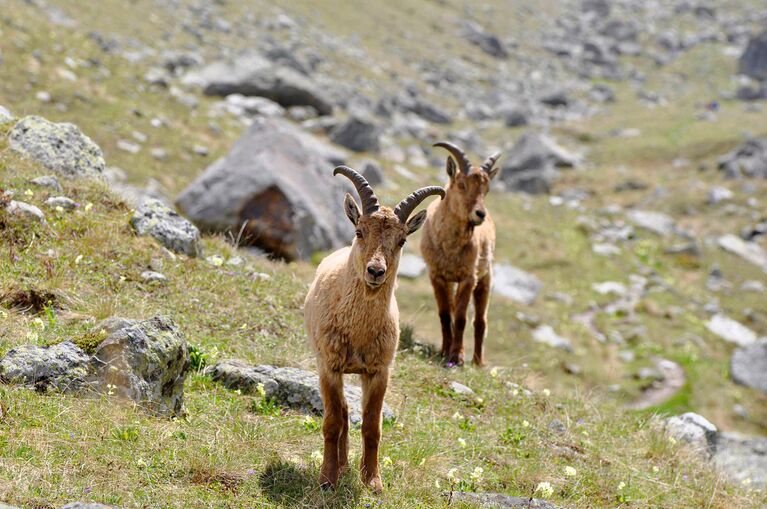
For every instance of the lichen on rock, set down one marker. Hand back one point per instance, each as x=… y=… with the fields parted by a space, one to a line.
x=59 y=147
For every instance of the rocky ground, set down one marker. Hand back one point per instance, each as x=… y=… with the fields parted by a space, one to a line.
x=141 y=143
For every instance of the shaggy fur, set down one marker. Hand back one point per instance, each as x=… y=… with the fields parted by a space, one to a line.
x=352 y=321
x=457 y=244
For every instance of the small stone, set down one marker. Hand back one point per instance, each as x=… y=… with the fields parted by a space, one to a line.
x=545 y=335
x=5 y=115
x=610 y=287
x=159 y=153
x=201 y=150
x=515 y=284
x=411 y=266
x=461 y=389
x=572 y=369
x=626 y=356
x=25 y=211
x=170 y=229
x=656 y=222
x=235 y=261
x=128 y=146
x=731 y=330
x=753 y=286
x=748 y=365
x=605 y=249
x=693 y=429
x=557 y=426
x=486 y=500
x=48 y=181
x=150 y=276
x=719 y=194
x=61 y=201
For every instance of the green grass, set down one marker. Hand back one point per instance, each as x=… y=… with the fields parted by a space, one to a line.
x=234 y=450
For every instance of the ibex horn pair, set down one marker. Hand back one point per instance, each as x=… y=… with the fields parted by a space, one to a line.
x=370 y=201
x=463 y=161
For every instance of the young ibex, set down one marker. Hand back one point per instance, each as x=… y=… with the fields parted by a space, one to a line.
x=352 y=320
x=457 y=245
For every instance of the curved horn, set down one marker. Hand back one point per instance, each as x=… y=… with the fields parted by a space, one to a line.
x=458 y=154
x=490 y=162
x=368 y=197
x=406 y=206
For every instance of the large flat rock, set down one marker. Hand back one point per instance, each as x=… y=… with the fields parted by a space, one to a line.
x=289 y=387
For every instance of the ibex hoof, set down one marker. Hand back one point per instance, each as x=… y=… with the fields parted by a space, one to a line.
x=375 y=485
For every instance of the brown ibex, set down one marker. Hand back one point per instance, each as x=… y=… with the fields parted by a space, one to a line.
x=352 y=320
x=457 y=244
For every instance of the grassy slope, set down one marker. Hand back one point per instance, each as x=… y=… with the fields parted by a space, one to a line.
x=58 y=449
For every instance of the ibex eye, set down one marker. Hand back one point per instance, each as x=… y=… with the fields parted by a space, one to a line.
x=461 y=186
x=358 y=233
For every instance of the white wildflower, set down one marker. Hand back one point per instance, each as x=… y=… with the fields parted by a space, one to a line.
x=544 y=488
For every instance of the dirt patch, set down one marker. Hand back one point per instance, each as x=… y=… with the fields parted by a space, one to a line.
x=28 y=300
x=224 y=481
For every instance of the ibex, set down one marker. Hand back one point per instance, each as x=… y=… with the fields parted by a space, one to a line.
x=352 y=320
x=457 y=244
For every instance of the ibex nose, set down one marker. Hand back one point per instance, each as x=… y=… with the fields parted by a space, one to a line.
x=480 y=213
x=376 y=271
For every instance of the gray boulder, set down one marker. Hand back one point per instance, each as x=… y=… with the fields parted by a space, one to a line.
x=171 y=230
x=515 y=284
x=747 y=160
x=372 y=172
x=516 y=116
x=753 y=61
x=748 y=365
x=61 y=367
x=254 y=75
x=531 y=163
x=4 y=506
x=693 y=429
x=144 y=361
x=358 y=133
x=62 y=148
x=289 y=387
x=274 y=190
x=497 y=500
x=742 y=458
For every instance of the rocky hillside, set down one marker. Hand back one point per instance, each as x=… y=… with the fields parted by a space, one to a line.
x=166 y=191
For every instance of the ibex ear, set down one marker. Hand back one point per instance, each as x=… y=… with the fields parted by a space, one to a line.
x=416 y=222
x=450 y=166
x=494 y=171
x=352 y=209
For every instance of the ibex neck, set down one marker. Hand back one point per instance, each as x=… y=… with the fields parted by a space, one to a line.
x=451 y=225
